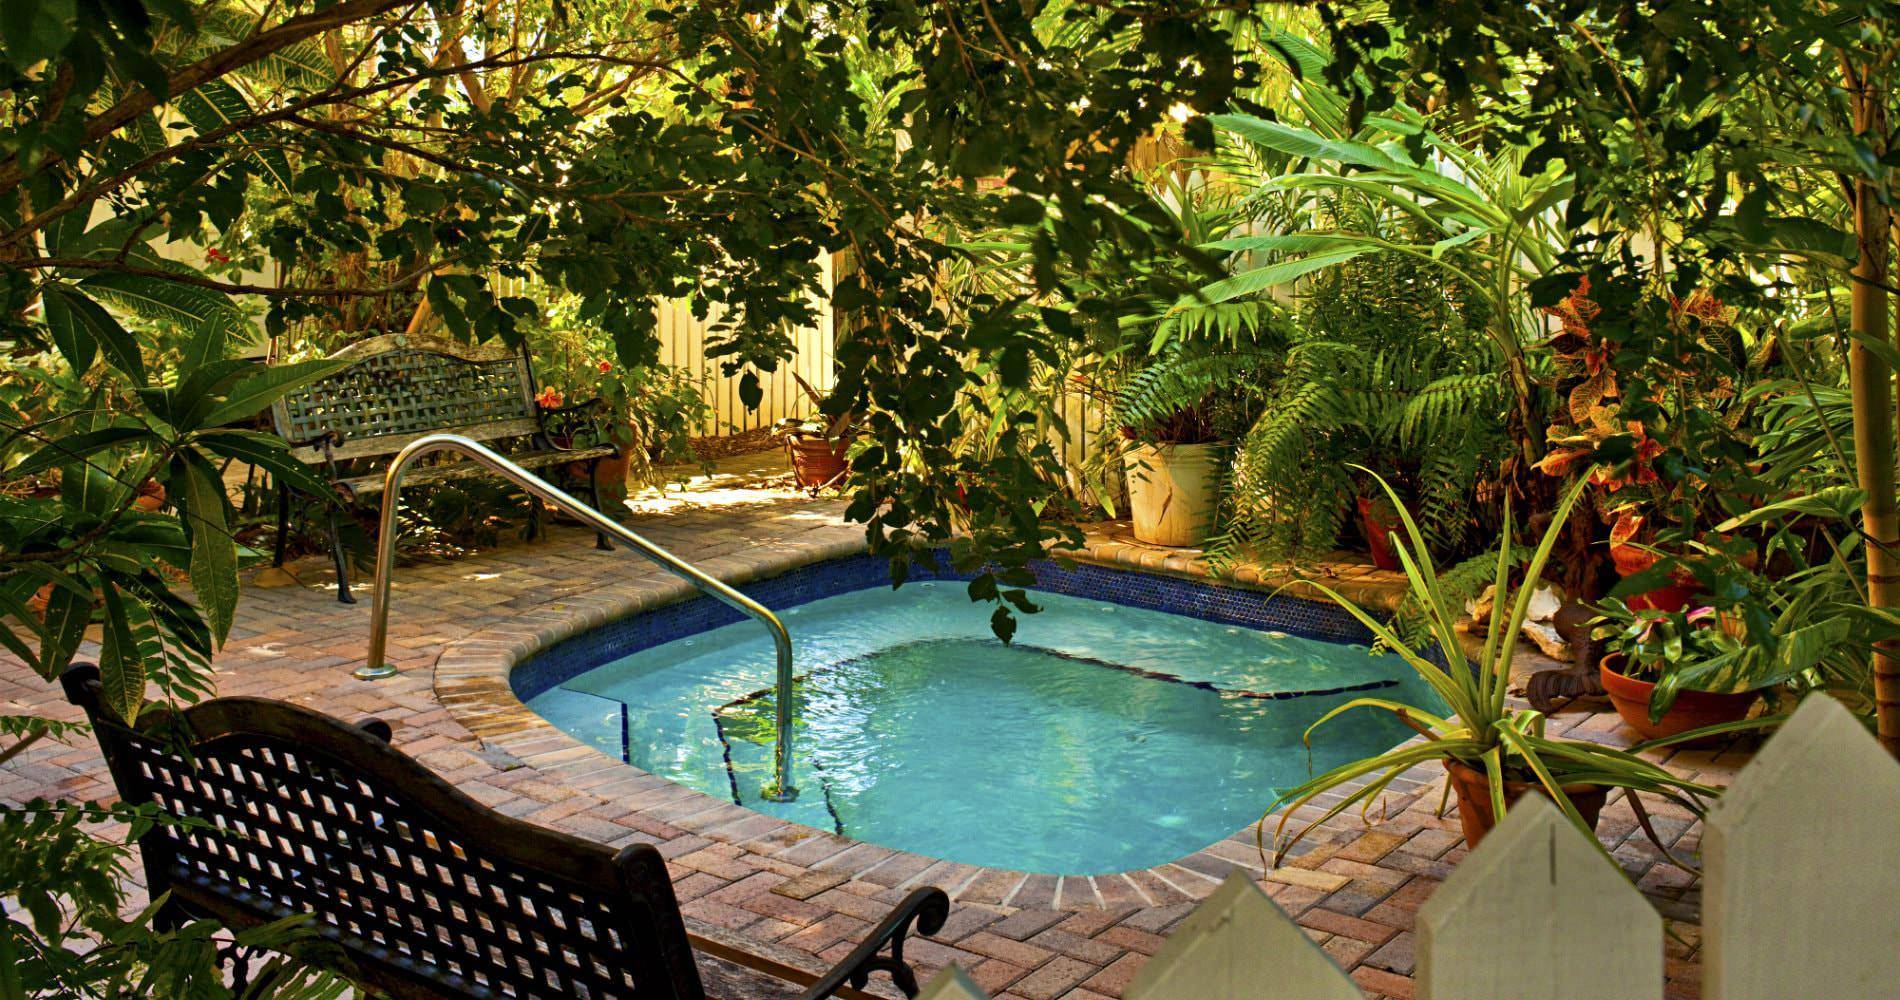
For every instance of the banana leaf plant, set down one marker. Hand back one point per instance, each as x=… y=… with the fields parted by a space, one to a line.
x=1480 y=729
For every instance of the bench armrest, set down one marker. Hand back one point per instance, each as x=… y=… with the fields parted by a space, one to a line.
x=927 y=908
x=334 y=437
x=565 y=419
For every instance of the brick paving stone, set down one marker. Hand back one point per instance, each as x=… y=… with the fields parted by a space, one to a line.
x=1054 y=979
x=1395 y=955
x=1116 y=976
x=456 y=627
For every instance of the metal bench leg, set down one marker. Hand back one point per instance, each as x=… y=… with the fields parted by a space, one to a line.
x=283 y=523
x=341 y=559
x=593 y=481
x=536 y=530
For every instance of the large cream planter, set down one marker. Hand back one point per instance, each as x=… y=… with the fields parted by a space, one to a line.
x=1172 y=491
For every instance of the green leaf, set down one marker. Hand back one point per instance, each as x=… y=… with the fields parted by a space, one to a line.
x=121 y=665
x=1261 y=279
x=1302 y=143
x=66 y=617
x=213 y=550
x=1835 y=503
x=84 y=322
x=217 y=104
x=35 y=29
x=172 y=301
x=78 y=448
x=270 y=453
x=253 y=394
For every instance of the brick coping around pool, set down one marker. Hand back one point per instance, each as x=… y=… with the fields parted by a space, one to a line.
x=472 y=683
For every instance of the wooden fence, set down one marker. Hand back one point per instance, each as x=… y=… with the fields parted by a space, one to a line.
x=1801 y=899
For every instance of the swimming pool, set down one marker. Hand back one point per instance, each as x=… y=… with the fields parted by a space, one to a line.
x=1108 y=737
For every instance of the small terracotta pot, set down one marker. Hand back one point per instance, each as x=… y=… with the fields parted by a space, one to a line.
x=817 y=461
x=1474 y=799
x=1378 y=536
x=1690 y=710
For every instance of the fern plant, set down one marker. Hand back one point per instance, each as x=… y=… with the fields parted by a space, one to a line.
x=1384 y=369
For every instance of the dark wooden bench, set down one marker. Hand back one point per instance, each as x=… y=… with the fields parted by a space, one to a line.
x=399 y=388
x=424 y=892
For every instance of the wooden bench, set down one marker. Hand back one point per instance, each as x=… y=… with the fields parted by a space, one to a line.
x=399 y=388
x=424 y=892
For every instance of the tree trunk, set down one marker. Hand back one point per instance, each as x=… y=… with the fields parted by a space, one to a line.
x=1874 y=415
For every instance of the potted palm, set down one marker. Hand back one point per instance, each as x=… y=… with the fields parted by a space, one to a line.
x=1493 y=752
x=1647 y=651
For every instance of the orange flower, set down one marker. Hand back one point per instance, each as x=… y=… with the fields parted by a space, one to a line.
x=605 y=367
x=550 y=398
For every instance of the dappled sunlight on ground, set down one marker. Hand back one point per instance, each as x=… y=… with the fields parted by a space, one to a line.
x=734 y=482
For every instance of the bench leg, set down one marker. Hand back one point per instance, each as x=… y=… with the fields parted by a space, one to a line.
x=536 y=530
x=283 y=523
x=593 y=481
x=338 y=556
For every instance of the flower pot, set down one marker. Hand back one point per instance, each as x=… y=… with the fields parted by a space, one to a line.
x=1690 y=710
x=1379 y=535
x=1672 y=596
x=817 y=461
x=1474 y=799
x=1173 y=491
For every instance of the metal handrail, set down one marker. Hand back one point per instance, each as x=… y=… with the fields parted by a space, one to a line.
x=377 y=666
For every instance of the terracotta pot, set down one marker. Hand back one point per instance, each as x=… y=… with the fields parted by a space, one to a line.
x=1173 y=491
x=817 y=461
x=1379 y=535
x=1690 y=710
x=151 y=496
x=1474 y=799
x=1672 y=596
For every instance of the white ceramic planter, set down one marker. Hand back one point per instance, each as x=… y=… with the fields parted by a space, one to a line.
x=1172 y=491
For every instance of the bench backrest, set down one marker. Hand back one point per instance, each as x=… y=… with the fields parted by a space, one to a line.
x=428 y=893
x=399 y=388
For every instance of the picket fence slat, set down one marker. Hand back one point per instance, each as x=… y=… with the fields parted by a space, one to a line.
x=1802 y=895
x=1233 y=943
x=1803 y=875
x=1531 y=912
x=952 y=984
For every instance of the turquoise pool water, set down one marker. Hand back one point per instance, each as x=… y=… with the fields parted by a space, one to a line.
x=1107 y=738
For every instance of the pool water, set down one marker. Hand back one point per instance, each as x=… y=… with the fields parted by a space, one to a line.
x=1106 y=738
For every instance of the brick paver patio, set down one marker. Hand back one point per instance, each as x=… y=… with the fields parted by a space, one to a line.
x=791 y=893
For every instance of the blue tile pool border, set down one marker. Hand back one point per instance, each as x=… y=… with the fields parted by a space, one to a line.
x=1208 y=602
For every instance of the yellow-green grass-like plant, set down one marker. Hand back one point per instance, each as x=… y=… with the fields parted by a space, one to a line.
x=1481 y=729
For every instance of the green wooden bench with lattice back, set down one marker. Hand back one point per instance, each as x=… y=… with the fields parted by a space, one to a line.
x=398 y=388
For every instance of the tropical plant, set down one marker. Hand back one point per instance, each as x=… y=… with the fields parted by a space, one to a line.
x=74 y=940
x=1490 y=206
x=1480 y=729
x=1656 y=644
x=1382 y=369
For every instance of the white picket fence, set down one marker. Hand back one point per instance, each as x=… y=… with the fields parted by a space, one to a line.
x=1801 y=901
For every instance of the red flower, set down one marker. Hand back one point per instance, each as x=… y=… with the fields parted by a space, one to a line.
x=605 y=367
x=217 y=255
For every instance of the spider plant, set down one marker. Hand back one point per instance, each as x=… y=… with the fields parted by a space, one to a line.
x=1482 y=729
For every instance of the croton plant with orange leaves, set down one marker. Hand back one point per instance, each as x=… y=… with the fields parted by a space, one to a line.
x=1593 y=437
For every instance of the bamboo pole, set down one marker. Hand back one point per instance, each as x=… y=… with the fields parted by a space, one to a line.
x=1874 y=415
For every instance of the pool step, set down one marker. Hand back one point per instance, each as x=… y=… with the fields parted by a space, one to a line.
x=745 y=726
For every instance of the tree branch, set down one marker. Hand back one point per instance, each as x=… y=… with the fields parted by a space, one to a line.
x=211 y=67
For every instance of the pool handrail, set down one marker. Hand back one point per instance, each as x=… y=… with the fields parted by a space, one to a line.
x=377 y=666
